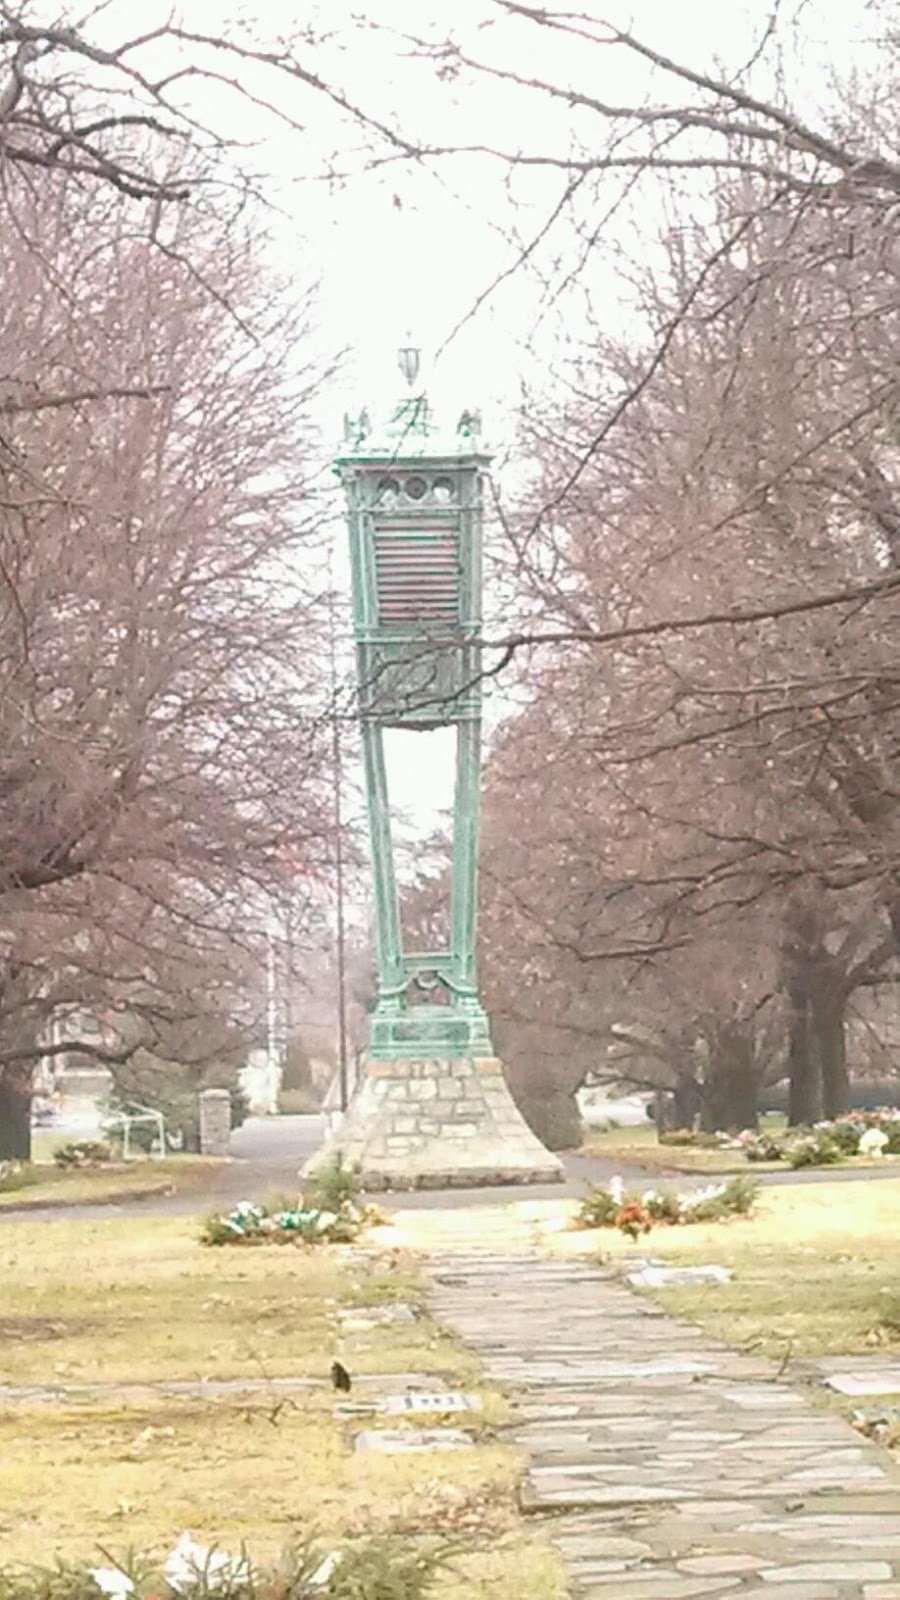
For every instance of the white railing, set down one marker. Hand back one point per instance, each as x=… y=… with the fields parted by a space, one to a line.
x=133 y=1116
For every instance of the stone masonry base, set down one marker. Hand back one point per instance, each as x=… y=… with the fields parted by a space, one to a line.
x=435 y=1124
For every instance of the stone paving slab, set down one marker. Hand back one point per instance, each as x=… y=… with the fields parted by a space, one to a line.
x=667 y=1277
x=867 y=1384
x=203 y=1388
x=363 y=1319
x=667 y=1466
x=401 y=1441
x=861 y=1376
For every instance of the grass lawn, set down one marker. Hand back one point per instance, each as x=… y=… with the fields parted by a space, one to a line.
x=816 y=1270
x=639 y=1146
x=58 y=1186
x=111 y=1301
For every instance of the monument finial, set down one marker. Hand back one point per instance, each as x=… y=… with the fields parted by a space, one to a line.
x=409 y=360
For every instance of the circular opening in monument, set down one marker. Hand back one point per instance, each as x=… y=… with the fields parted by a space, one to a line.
x=415 y=488
x=387 y=490
x=443 y=490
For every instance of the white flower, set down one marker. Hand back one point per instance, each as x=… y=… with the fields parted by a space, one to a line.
x=112 y=1581
x=324 y=1220
x=873 y=1142
x=650 y=1196
x=189 y=1562
x=617 y=1190
x=686 y=1202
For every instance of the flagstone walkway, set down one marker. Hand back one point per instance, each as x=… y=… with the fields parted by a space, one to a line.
x=667 y=1466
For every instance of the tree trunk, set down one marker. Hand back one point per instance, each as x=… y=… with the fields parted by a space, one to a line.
x=15 y=1115
x=829 y=1035
x=805 y=1101
x=544 y=1089
x=684 y=1107
x=554 y=1117
x=732 y=1087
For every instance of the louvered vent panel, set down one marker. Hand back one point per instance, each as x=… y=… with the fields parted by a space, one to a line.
x=417 y=571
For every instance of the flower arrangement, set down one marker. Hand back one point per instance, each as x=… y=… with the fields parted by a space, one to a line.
x=866 y=1133
x=612 y=1207
x=250 y=1223
x=755 y=1146
x=380 y=1568
x=329 y=1212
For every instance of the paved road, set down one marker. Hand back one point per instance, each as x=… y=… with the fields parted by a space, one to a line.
x=267 y=1153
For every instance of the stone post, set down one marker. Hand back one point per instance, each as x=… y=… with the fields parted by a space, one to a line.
x=215 y=1122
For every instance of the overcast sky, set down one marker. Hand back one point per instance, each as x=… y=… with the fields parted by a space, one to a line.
x=400 y=249
x=406 y=247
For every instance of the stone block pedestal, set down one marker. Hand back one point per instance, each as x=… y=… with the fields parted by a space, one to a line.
x=438 y=1123
x=215 y=1122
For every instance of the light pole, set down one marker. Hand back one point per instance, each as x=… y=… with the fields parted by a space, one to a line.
x=274 y=1032
x=337 y=775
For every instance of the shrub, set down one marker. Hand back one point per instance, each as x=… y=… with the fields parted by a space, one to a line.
x=888 y=1122
x=332 y=1186
x=598 y=1209
x=375 y=1568
x=762 y=1147
x=813 y=1149
x=62 y=1582
x=741 y=1195
x=733 y=1199
x=846 y=1133
x=17 y=1175
x=386 y=1569
x=82 y=1153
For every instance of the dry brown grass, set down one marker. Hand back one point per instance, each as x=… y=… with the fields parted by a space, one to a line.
x=115 y=1301
x=60 y=1186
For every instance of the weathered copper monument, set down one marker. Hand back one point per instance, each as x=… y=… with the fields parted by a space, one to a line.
x=433 y=1107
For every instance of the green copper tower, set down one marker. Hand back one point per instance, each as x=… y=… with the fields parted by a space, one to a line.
x=414 y=505
x=433 y=1106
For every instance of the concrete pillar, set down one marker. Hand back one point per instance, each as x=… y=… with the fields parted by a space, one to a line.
x=215 y=1122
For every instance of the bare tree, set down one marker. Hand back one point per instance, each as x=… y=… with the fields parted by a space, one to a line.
x=163 y=733
x=99 y=99
x=745 y=772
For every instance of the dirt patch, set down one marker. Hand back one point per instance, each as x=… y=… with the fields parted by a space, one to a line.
x=20 y=1329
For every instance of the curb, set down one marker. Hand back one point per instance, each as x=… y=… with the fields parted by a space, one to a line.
x=146 y=1192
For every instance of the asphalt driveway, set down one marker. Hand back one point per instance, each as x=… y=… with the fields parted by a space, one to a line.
x=268 y=1152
